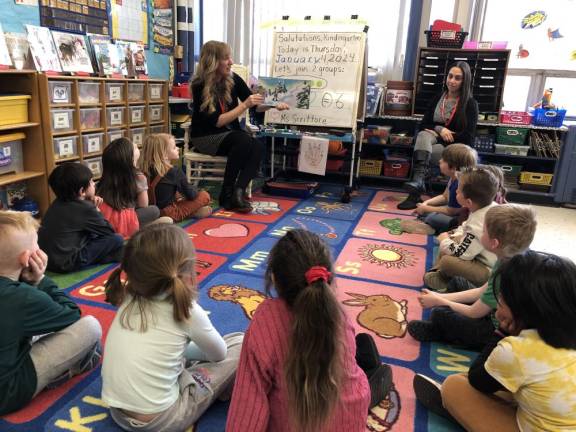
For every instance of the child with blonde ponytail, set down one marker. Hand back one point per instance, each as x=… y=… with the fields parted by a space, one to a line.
x=158 y=328
x=299 y=369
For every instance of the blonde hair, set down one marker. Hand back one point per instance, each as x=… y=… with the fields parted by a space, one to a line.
x=155 y=261
x=212 y=85
x=154 y=156
x=459 y=156
x=11 y=222
x=513 y=225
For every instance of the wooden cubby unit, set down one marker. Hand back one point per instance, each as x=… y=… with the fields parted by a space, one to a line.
x=34 y=174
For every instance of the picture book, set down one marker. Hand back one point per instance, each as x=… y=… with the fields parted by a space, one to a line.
x=72 y=52
x=293 y=92
x=139 y=59
x=125 y=58
x=5 y=59
x=373 y=96
x=19 y=50
x=42 y=48
x=101 y=50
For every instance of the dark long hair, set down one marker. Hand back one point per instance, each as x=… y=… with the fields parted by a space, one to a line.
x=540 y=291
x=465 y=92
x=118 y=184
x=313 y=365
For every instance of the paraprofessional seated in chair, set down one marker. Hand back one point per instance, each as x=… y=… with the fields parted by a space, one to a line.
x=450 y=118
x=215 y=128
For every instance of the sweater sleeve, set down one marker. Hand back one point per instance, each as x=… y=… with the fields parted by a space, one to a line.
x=198 y=115
x=241 y=88
x=48 y=309
x=182 y=185
x=95 y=222
x=467 y=135
x=205 y=337
x=250 y=409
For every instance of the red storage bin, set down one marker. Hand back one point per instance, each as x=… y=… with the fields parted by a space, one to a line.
x=515 y=117
x=396 y=167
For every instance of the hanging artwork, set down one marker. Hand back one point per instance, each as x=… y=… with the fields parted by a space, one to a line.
x=533 y=19
x=72 y=52
x=313 y=155
x=162 y=18
x=130 y=20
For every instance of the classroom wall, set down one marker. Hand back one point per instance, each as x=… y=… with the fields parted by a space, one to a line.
x=14 y=17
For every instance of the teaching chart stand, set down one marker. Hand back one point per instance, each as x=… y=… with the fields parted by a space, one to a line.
x=335 y=65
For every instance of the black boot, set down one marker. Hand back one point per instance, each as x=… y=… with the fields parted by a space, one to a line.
x=225 y=197
x=421 y=161
x=237 y=202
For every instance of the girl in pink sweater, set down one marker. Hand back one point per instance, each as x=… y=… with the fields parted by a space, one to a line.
x=298 y=370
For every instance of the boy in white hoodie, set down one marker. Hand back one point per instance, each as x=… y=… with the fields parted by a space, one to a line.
x=461 y=252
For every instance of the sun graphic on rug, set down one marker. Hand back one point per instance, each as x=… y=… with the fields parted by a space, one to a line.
x=387 y=255
x=329 y=207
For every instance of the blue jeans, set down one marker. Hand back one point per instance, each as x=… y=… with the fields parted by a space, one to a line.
x=101 y=250
x=440 y=222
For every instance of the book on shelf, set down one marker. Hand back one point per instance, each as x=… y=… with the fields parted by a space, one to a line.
x=103 y=54
x=19 y=50
x=72 y=52
x=43 y=49
x=5 y=59
x=139 y=59
x=125 y=58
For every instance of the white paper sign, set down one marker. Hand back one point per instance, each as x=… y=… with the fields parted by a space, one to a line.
x=313 y=155
x=93 y=144
x=65 y=147
x=61 y=121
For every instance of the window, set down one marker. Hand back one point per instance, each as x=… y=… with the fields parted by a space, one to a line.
x=541 y=37
x=213 y=20
x=442 y=10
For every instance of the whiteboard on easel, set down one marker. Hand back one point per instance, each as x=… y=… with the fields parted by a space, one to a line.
x=333 y=62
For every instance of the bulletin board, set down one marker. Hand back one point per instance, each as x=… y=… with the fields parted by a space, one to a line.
x=77 y=16
x=129 y=20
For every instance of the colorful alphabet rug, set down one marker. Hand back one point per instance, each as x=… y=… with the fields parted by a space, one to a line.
x=379 y=274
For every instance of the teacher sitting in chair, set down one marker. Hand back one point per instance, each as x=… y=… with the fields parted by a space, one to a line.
x=450 y=118
x=215 y=128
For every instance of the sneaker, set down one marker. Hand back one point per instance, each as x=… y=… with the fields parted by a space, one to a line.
x=429 y=393
x=380 y=380
x=422 y=331
x=416 y=227
x=162 y=220
x=89 y=362
x=203 y=212
x=436 y=282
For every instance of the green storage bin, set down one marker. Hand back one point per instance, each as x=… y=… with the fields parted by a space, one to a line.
x=511 y=135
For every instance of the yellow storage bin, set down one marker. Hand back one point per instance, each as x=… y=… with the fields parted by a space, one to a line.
x=13 y=109
x=534 y=178
x=370 y=167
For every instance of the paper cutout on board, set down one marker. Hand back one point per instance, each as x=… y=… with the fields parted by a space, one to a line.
x=313 y=155
x=533 y=19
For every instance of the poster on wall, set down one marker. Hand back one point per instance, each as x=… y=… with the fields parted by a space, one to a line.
x=130 y=20
x=162 y=19
x=77 y=16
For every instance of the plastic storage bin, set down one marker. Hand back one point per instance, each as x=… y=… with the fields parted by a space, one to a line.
x=14 y=109
x=115 y=134
x=92 y=143
x=484 y=143
x=95 y=165
x=377 y=134
x=396 y=167
x=511 y=135
x=515 y=117
x=114 y=92
x=515 y=150
x=90 y=118
x=549 y=118
x=60 y=92
x=136 y=114
x=138 y=135
x=535 y=178
x=11 y=157
x=65 y=147
x=370 y=167
x=135 y=92
x=155 y=91
x=155 y=113
x=401 y=139
x=115 y=116
x=445 y=38
x=62 y=120
x=88 y=92
x=157 y=129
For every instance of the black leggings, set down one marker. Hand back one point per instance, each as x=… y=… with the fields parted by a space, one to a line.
x=244 y=155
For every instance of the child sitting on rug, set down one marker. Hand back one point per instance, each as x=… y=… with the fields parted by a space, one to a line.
x=157 y=329
x=124 y=189
x=461 y=252
x=74 y=233
x=298 y=369
x=169 y=189
x=532 y=359
x=43 y=342
x=467 y=318
x=443 y=212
